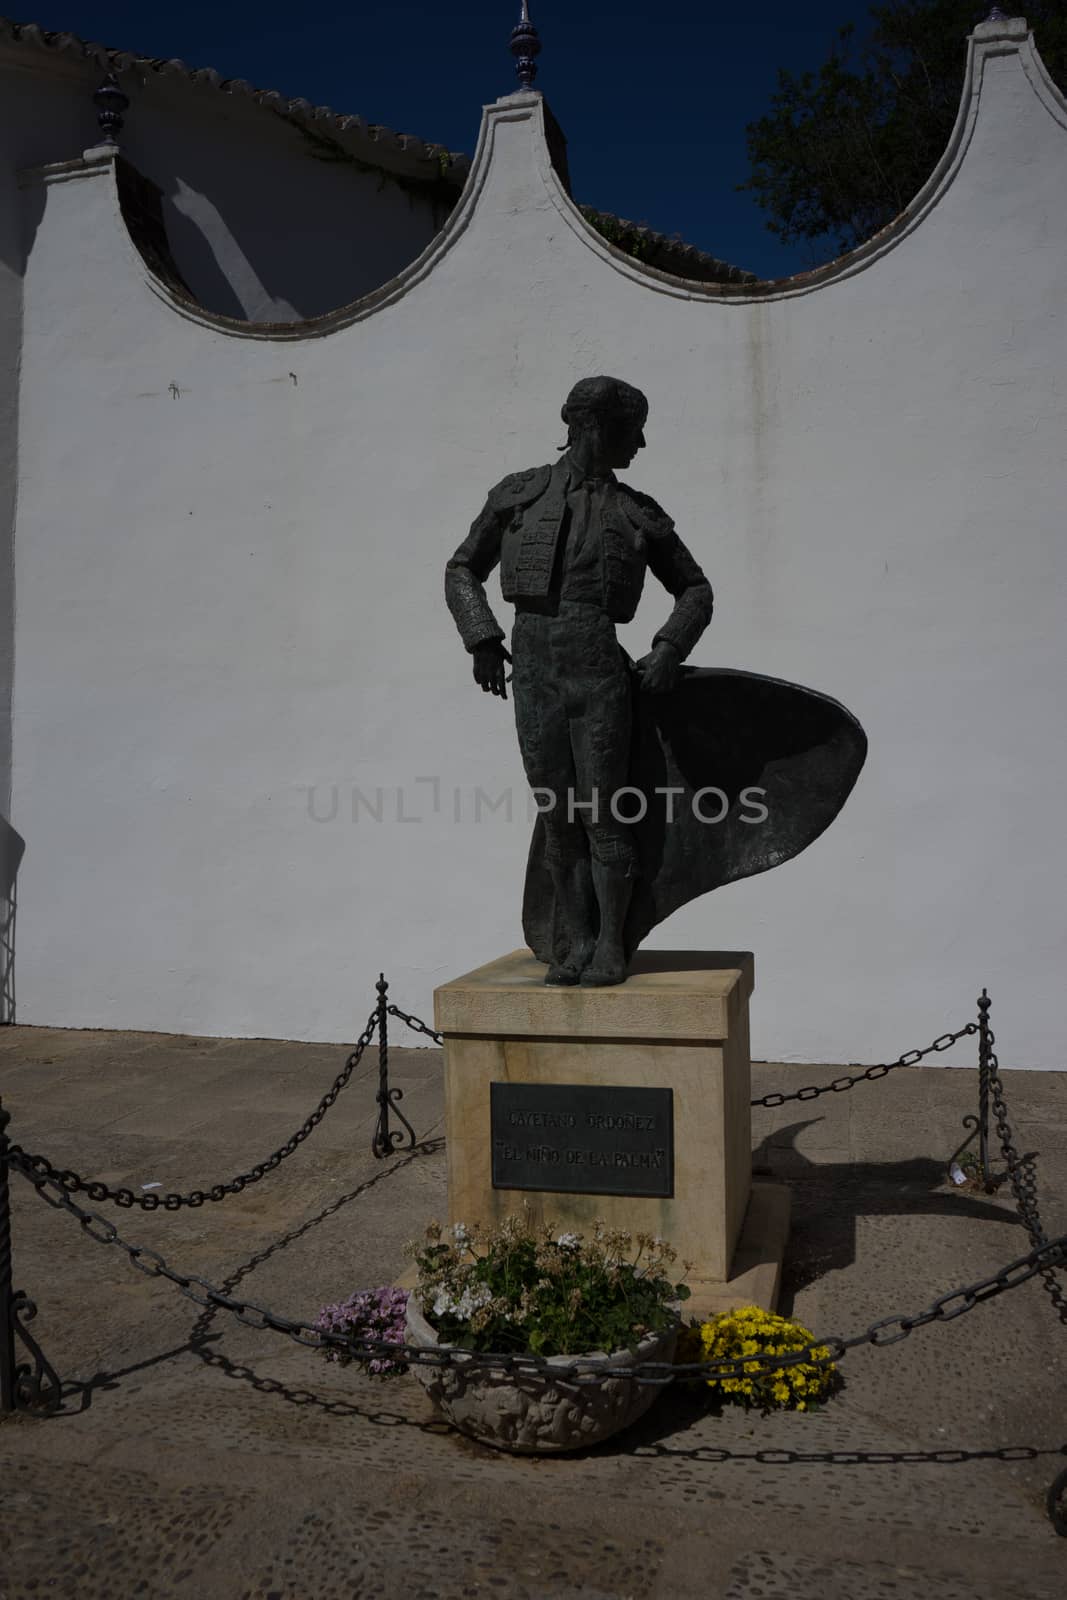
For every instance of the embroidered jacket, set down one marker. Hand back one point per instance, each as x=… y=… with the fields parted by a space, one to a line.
x=519 y=527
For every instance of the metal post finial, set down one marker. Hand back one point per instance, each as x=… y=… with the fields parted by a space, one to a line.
x=525 y=47
x=111 y=103
x=996 y=15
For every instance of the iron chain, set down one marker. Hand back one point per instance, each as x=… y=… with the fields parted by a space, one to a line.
x=71 y=1182
x=1023 y=1179
x=415 y=1024
x=889 y=1330
x=910 y=1058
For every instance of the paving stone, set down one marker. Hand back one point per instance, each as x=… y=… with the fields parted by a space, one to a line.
x=198 y=1457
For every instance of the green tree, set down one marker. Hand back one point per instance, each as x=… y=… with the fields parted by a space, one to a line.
x=844 y=149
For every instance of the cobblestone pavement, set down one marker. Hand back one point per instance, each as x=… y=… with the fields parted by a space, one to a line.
x=197 y=1457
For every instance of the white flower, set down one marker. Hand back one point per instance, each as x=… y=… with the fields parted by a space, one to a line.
x=463 y=1307
x=470 y=1300
x=569 y=1241
x=460 y=1233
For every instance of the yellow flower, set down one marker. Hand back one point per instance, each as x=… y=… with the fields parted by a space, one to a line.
x=750 y=1335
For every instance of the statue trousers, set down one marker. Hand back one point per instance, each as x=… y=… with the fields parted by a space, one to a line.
x=573 y=714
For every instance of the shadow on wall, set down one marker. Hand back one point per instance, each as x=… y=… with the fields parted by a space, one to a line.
x=12 y=848
x=286 y=243
x=16 y=243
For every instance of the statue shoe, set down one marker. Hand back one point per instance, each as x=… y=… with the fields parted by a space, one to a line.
x=603 y=974
x=561 y=975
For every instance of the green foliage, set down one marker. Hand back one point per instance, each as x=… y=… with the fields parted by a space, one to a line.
x=611 y=229
x=843 y=150
x=441 y=190
x=510 y=1288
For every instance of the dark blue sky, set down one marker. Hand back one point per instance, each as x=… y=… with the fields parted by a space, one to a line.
x=653 y=96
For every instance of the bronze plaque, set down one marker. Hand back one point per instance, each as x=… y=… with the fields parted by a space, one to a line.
x=577 y=1138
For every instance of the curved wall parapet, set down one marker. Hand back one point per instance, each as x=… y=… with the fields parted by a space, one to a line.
x=274 y=210
x=990 y=43
x=1003 y=37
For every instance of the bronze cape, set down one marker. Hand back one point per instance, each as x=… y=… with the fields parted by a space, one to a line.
x=730 y=731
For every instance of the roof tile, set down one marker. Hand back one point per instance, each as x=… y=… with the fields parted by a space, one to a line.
x=667 y=254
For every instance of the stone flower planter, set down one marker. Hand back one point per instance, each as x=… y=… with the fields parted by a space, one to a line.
x=535 y=1412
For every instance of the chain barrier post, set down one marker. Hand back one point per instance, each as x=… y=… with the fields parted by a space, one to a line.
x=35 y=1389
x=382 y=1143
x=387 y=1141
x=979 y=1124
x=7 y=1324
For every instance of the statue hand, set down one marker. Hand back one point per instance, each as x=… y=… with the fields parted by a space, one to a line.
x=658 y=671
x=489 y=659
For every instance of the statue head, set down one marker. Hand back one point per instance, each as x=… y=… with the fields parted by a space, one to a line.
x=605 y=420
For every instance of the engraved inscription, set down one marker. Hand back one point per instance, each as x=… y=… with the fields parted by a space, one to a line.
x=582 y=1138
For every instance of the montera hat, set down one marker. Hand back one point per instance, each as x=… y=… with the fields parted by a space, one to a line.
x=602 y=397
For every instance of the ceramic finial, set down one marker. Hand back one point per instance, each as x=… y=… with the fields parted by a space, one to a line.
x=525 y=47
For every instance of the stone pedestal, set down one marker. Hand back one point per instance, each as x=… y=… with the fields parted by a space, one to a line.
x=678 y=1024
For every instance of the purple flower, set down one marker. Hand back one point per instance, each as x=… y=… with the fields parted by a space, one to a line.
x=369 y=1314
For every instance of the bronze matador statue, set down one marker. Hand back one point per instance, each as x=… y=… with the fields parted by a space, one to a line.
x=620 y=755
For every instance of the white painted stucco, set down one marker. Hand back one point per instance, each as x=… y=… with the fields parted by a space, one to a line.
x=229 y=559
x=260 y=225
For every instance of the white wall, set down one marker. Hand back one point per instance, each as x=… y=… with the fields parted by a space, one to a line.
x=230 y=591
x=10 y=349
x=260 y=228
